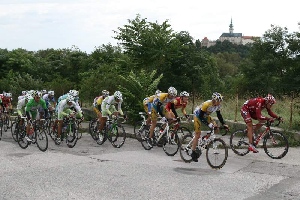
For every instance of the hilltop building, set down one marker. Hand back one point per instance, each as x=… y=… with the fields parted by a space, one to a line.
x=235 y=38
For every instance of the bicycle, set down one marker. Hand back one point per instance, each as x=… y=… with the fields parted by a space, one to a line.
x=163 y=135
x=5 y=119
x=216 y=149
x=37 y=135
x=113 y=131
x=69 y=131
x=275 y=144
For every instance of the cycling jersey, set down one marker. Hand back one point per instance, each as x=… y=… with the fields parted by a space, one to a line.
x=21 y=106
x=147 y=102
x=64 y=109
x=252 y=109
x=32 y=107
x=205 y=109
x=108 y=106
x=178 y=103
x=158 y=105
x=6 y=102
x=48 y=99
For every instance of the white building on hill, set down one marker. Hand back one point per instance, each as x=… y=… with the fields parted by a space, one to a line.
x=235 y=38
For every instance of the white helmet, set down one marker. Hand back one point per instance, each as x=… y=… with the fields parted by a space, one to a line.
x=70 y=98
x=44 y=91
x=24 y=92
x=105 y=93
x=118 y=95
x=6 y=94
x=51 y=93
x=184 y=94
x=157 y=92
x=217 y=96
x=172 y=91
x=28 y=97
x=74 y=93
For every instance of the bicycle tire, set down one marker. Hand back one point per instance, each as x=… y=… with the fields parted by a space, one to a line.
x=238 y=142
x=171 y=144
x=218 y=151
x=102 y=137
x=94 y=128
x=144 y=139
x=281 y=146
x=41 y=139
x=182 y=131
x=137 y=126
x=52 y=132
x=22 y=141
x=91 y=126
x=118 y=136
x=72 y=136
x=185 y=149
x=13 y=130
x=6 y=123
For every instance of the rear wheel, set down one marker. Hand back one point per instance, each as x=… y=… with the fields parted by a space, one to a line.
x=182 y=131
x=238 y=142
x=6 y=123
x=276 y=145
x=143 y=137
x=22 y=141
x=216 y=153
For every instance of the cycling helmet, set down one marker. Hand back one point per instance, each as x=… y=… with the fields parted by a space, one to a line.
x=172 y=91
x=184 y=94
x=270 y=99
x=118 y=95
x=217 y=96
x=44 y=91
x=105 y=93
x=51 y=93
x=70 y=98
x=28 y=97
x=8 y=95
x=24 y=92
x=157 y=92
x=74 y=93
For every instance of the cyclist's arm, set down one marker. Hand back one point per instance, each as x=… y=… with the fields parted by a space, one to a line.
x=220 y=117
x=174 y=110
x=272 y=114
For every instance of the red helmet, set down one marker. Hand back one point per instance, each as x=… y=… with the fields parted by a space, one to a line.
x=270 y=99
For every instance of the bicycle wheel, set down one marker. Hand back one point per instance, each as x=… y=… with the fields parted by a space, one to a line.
x=22 y=141
x=182 y=131
x=144 y=139
x=72 y=135
x=238 y=142
x=101 y=136
x=171 y=143
x=137 y=126
x=93 y=126
x=118 y=136
x=13 y=130
x=185 y=149
x=6 y=123
x=276 y=145
x=52 y=131
x=41 y=139
x=216 y=153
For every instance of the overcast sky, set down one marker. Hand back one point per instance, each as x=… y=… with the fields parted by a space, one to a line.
x=41 y=24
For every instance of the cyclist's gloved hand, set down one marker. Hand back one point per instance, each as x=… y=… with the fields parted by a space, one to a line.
x=226 y=126
x=211 y=125
x=280 y=119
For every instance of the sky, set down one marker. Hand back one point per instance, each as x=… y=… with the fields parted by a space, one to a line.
x=87 y=24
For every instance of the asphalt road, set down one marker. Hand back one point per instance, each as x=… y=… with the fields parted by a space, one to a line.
x=90 y=171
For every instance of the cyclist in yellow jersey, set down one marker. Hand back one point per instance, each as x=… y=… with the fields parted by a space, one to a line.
x=98 y=101
x=159 y=107
x=202 y=114
x=147 y=102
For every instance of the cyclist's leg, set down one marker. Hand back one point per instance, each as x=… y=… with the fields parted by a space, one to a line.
x=197 y=129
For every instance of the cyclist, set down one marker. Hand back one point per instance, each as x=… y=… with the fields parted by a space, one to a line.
x=179 y=102
x=31 y=110
x=50 y=101
x=108 y=108
x=24 y=92
x=64 y=108
x=6 y=101
x=21 y=106
x=73 y=93
x=147 y=102
x=202 y=114
x=252 y=110
x=98 y=101
x=158 y=107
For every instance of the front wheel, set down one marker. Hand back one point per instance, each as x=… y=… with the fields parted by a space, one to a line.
x=276 y=145
x=22 y=141
x=238 y=142
x=117 y=136
x=41 y=139
x=171 y=143
x=185 y=149
x=216 y=153
x=71 y=135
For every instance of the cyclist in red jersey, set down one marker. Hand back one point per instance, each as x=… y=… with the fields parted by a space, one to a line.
x=252 y=110
x=6 y=101
x=179 y=102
